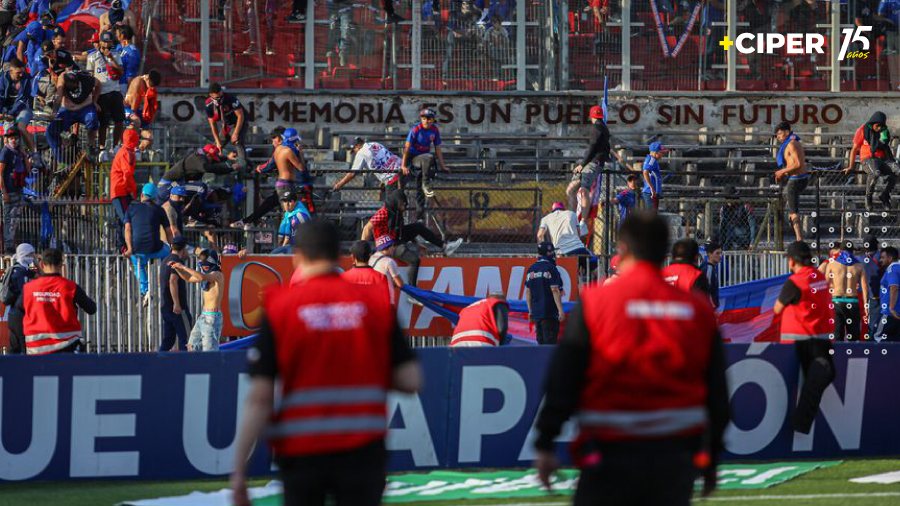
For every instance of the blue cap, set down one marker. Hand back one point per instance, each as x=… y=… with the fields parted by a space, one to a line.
x=179 y=190
x=149 y=190
x=657 y=146
x=290 y=135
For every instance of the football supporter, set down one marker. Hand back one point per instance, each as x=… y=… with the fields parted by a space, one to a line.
x=372 y=156
x=418 y=162
x=652 y=176
x=889 y=321
x=791 y=165
x=271 y=201
x=847 y=280
x=872 y=142
x=207 y=330
x=227 y=109
x=588 y=169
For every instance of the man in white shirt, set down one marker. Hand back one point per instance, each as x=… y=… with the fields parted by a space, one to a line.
x=106 y=65
x=562 y=229
x=371 y=156
x=383 y=262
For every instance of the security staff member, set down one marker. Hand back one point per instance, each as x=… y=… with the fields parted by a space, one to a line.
x=336 y=348
x=362 y=273
x=50 y=304
x=483 y=323
x=807 y=321
x=543 y=294
x=641 y=364
x=683 y=272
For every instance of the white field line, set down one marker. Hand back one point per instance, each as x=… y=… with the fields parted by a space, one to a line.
x=735 y=498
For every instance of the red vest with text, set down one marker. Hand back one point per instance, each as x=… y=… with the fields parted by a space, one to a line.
x=368 y=276
x=650 y=350
x=477 y=323
x=333 y=350
x=51 y=318
x=682 y=276
x=812 y=317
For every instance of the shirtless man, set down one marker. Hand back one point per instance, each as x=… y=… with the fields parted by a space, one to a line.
x=292 y=169
x=142 y=99
x=117 y=15
x=791 y=165
x=208 y=329
x=846 y=278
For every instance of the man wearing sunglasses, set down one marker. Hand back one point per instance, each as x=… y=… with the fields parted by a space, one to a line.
x=418 y=160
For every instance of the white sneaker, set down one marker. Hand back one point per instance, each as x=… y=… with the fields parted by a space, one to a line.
x=414 y=302
x=451 y=247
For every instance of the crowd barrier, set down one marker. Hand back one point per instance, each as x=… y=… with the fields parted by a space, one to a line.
x=159 y=416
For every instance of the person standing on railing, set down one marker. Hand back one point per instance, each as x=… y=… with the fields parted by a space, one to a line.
x=805 y=302
x=122 y=187
x=418 y=162
x=143 y=221
x=543 y=295
x=106 y=65
x=176 y=316
x=225 y=107
x=50 y=303
x=641 y=366
x=791 y=165
x=588 y=169
x=872 y=141
x=14 y=166
x=23 y=272
x=78 y=93
x=652 y=176
x=207 y=330
x=130 y=55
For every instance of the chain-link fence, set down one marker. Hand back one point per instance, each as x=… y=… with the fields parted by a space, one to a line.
x=486 y=45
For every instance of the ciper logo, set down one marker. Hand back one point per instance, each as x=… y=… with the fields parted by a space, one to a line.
x=798 y=43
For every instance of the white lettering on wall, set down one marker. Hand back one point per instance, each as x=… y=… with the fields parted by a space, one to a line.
x=44 y=415
x=473 y=421
x=414 y=436
x=194 y=429
x=88 y=426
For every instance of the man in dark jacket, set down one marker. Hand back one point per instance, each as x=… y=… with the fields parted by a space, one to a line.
x=872 y=142
x=587 y=170
x=21 y=274
x=15 y=99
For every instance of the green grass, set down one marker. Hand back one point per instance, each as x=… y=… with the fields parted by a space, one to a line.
x=831 y=480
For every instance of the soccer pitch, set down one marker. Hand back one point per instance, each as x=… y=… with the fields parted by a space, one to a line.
x=828 y=486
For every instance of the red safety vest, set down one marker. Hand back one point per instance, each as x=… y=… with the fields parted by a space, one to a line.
x=51 y=318
x=477 y=324
x=681 y=275
x=369 y=276
x=813 y=316
x=650 y=350
x=333 y=350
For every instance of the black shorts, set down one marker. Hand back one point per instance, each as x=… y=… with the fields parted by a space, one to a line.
x=846 y=320
x=112 y=108
x=351 y=478
x=792 y=191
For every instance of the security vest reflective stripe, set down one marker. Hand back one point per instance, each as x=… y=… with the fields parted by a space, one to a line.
x=812 y=317
x=51 y=318
x=477 y=323
x=664 y=422
x=332 y=348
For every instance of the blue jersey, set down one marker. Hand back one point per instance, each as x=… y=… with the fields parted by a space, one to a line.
x=36 y=35
x=890 y=9
x=420 y=139
x=891 y=278
x=11 y=50
x=625 y=200
x=652 y=165
x=291 y=220
x=131 y=63
x=540 y=278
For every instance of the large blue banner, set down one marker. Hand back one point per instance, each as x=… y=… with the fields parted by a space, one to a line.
x=174 y=416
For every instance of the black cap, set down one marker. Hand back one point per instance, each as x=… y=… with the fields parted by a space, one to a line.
x=546 y=248
x=179 y=240
x=357 y=141
x=287 y=196
x=107 y=37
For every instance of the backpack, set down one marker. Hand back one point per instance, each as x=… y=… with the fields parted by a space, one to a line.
x=7 y=296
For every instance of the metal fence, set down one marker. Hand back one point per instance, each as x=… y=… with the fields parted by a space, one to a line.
x=491 y=45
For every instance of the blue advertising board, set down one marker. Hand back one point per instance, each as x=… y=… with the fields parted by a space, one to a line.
x=174 y=416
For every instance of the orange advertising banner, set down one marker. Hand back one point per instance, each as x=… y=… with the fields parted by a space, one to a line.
x=246 y=280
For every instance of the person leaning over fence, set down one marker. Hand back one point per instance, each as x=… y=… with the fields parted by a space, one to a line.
x=372 y=156
x=642 y=366
x=143 y=221
x=683 y=272
x=173 y=307
x=791 y=165
x=483 y=323
x=418 y=162
x=14 y=166
x=15 y=100
x=207 y=331
x=889 y=320
x=561 y=227
x=872 y=142
x=122 y=188
x=543 y=295
x=652 y=177
x=50 y=303
x=295 y=213
x=226 y=108
x=23 y=271
x=710 y=269
x=806 y=323
x=386 y=225
x=77 y=92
